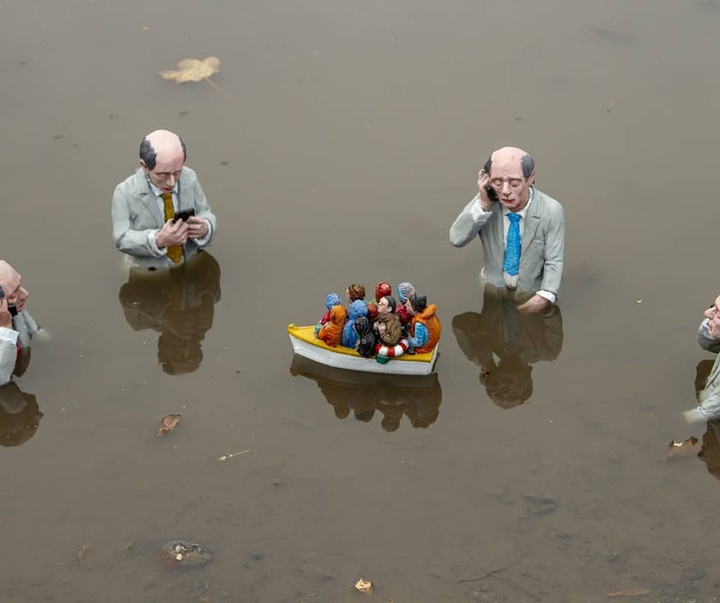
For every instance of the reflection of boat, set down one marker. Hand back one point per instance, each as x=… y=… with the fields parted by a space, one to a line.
x=306 y=344
x=363 y=395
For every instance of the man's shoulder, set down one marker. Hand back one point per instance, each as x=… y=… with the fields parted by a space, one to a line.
x=134 y=184
x=188 y=175
x=546 y=205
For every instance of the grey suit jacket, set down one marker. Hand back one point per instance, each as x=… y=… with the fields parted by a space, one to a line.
x=543 y=244
x=136 y=212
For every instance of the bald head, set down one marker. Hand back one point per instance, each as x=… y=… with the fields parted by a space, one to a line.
x=162 y=156
x=512 y=155
x=163 y=146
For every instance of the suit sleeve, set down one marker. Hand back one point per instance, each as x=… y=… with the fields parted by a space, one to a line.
x=202 y=209
x=466 y=228
x=8 y=354
x=126 y=239
x=554 y=250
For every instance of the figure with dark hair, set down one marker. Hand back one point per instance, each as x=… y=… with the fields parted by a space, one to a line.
x=17 y=327
x=355 y=291
x=388 y=325
x=365 y=337
x=160 y=215
x=425 y=328
x=522 y=230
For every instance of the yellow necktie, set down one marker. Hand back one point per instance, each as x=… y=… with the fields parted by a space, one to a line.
x=174 y=252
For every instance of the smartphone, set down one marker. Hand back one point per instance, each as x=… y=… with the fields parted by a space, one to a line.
x=183 y=215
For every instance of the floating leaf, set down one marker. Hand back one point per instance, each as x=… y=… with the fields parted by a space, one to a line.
x=630 y=592
x=168 y=423
x=678 y=450
x=194 y=70
x=364 y=586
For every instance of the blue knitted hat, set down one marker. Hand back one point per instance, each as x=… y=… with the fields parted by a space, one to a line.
x=332 y=299
x=357 y=308
x=405 y=290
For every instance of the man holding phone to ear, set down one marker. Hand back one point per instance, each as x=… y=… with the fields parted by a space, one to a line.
x=16 y=326
x=160 y=215
x=522 y=231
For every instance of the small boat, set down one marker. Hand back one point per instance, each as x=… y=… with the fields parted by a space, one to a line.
x=307 y=345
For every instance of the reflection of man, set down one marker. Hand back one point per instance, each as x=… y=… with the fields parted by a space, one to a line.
x=179 y=304
x=708 y=396
x=522 y=230
x=16 y=325
x=418 y=398
x=505 y=343
x=19 y=415
x=144 y=207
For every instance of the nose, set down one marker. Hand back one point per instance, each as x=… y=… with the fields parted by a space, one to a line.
x=171 y=180
x=506 y=189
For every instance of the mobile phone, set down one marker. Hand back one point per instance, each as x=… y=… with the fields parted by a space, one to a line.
x=492 y=195
x=183 y=215
x=12 y=309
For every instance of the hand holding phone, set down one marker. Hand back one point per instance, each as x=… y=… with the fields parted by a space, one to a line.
x=487 y=193
x=183 y=215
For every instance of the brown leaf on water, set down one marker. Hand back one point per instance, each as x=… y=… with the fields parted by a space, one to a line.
x=684 y=449
x=630 y=592
x=168 y=423
x=193 y=70
x=82 y=552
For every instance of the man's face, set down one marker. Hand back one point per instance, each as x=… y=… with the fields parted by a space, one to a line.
x=383 y=306
x=167 y=170
x=713 y=316
x=15 y=293
x=506 y=177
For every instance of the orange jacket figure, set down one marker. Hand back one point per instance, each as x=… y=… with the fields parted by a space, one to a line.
x=426 y=327
x=331 y=333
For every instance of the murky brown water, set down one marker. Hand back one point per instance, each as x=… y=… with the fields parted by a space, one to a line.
x=344 y=142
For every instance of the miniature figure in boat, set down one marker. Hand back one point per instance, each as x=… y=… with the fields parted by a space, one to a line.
x=332 y=331
x=366 y=339
x=382 y=289
x=404 y=291
x=331 y=300
x=349 y=336
x=390 y=340
x=425 y=329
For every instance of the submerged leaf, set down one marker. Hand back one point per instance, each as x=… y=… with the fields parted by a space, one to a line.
x=168 y=423
x=193 y=70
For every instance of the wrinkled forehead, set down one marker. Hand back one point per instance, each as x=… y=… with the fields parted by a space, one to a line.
x=169 y=160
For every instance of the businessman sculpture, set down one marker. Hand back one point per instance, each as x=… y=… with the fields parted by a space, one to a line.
x=522 y=230
x=160 y=215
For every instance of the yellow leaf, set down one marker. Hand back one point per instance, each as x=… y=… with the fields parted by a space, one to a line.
x=193 y=70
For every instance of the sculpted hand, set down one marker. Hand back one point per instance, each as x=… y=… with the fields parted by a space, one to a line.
x=197 y=227
x=537 y=303
x=483 y=181
x=5 y=316
x=172 y=234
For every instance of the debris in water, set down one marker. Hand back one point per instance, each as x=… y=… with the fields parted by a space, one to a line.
x=365 y=587
x=168 y=423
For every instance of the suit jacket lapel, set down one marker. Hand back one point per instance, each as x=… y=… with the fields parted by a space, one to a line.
x=148 y=200
x=532 y=221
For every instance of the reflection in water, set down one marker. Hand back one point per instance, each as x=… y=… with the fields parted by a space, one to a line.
x=179 y=304
x=416 y=397
x=710 y=451
x=504 y=343
x=19 y=415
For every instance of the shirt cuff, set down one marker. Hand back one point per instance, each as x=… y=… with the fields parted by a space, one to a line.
x=551 y=297
x=152 y=243
x=9 y=335
x=476 y=210
x=206 y=239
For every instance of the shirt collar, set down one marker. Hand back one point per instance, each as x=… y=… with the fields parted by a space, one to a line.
x=523 y=211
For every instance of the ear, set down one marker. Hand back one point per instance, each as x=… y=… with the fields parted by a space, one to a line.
x=144 y=166
x=531 y=179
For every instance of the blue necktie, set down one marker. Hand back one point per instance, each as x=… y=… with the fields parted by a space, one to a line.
x=512 y=249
